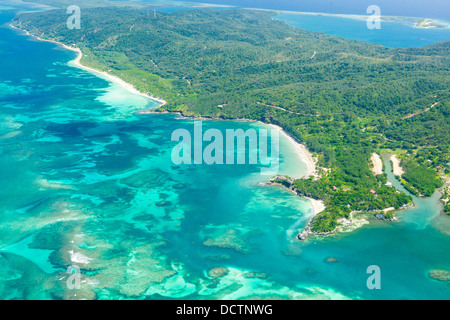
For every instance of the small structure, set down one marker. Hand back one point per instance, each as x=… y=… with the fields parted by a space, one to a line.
x=373 y=191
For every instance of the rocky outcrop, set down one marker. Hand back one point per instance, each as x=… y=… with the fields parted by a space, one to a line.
x=218 y=272
x=441 y=275
x=384 y=217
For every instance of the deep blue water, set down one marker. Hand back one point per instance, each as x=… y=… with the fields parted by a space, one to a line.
x=87 y=181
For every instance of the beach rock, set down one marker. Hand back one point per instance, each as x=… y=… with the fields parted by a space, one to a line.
x=218 y=272
x=383 y=217
x=303 y=236
x=163 y=204
x=230 y=239
x=258 y=275
x=439 y=274
x=146 y=178
x=343 y=222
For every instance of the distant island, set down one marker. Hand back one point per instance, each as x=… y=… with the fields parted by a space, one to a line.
x=344 y=100
x=420 y=23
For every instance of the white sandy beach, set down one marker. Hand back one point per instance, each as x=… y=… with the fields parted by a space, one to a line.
x=396 y=168
x=317 y=205
x=105 y=75
x=301 y=151
x=109 y=77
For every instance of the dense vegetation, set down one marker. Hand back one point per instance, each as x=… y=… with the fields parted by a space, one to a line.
x=422 y=180
x=344 y=99
x=445 y=200
x=347 y=197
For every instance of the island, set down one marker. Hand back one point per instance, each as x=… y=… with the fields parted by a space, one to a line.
x=344 y=100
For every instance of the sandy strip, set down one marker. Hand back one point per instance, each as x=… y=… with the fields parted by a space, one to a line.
x=317 y=205
x=396 y=169
x=377 y=164
x=107 y=76
x=301 y=151
x=77 y=63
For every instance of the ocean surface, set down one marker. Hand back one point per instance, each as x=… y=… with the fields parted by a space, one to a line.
x=88 y=183
x=392 y=34
x=437 y=9
x=347 y=19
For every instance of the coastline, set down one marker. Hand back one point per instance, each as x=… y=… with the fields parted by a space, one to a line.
x=105 y=75
x=77 y=63
x=317 y=206
x=343 y=223
x=300 y=150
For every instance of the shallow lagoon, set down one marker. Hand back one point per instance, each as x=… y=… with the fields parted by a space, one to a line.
x=393 y=34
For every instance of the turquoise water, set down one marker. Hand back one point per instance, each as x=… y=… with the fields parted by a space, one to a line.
x=439 y=9
x=393 y=34
x=86 y=181
x=348 y=23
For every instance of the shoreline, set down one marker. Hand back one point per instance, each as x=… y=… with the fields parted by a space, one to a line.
x=317 y=206
x=112 y=78
x=300 y=150
x=104 y=75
